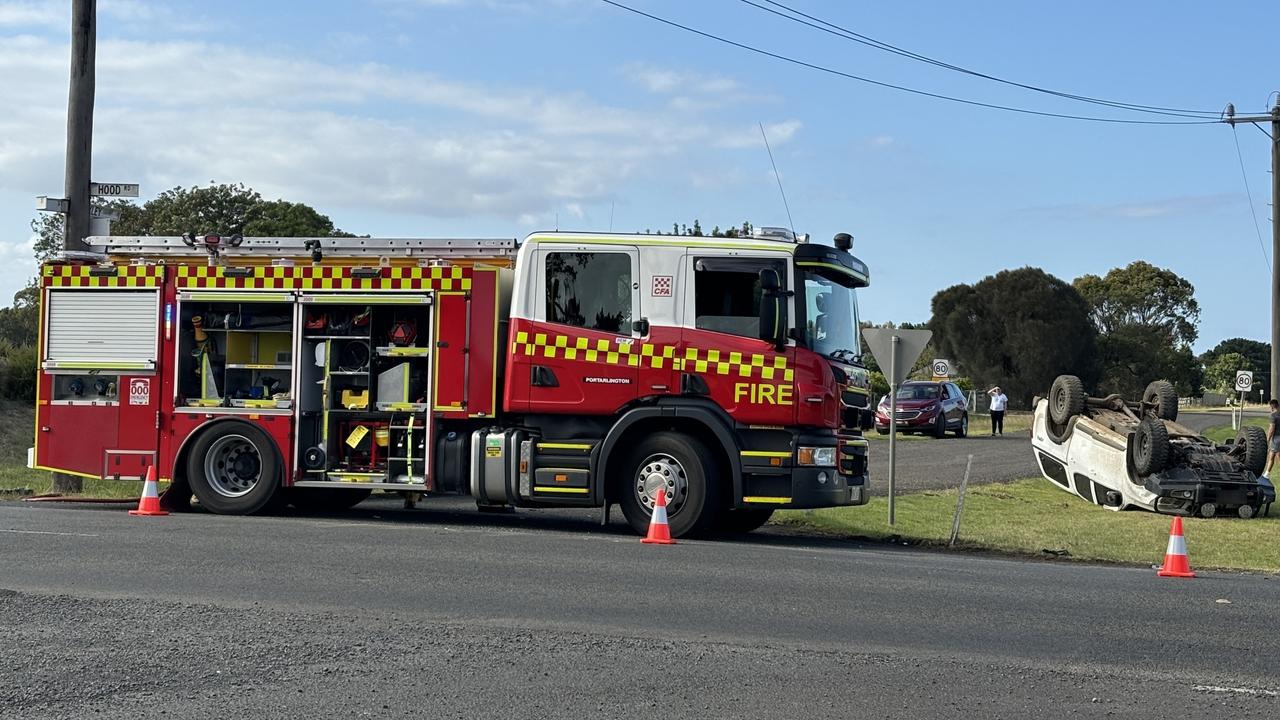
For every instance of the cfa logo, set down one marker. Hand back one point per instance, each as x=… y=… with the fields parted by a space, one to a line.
x=762 y=394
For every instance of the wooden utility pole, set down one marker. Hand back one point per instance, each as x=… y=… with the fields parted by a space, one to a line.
x=1273 y=380
x=79 y=150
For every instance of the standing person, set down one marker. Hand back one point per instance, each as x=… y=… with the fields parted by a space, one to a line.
x=999 y=402
x=1273 y=437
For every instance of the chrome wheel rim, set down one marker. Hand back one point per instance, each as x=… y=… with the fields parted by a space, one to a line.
x=232 y=466
x=661 y=470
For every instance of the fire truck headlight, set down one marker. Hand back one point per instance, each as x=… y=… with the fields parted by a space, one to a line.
x=819 y=456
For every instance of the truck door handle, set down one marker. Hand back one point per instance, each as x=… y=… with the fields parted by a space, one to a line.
x=543 y=376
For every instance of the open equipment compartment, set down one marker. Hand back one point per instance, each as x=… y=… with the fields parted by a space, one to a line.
x=365 y=370
x=235 y=350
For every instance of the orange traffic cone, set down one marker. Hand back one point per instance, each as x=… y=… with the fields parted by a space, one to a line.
x=659 y=531
x=149 y=503
x=1176 y=563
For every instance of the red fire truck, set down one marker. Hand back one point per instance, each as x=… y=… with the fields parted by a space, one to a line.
x=567 y=370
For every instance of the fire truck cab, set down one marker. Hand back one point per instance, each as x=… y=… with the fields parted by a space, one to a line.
x=567 y=370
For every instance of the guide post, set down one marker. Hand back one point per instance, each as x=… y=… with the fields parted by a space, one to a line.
x=896 y=351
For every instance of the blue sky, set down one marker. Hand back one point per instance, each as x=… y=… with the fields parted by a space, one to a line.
x=495 y=118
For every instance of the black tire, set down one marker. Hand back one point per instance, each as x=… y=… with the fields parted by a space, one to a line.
x=233 y=469
x=885 y=431
x=1251 y=447
x=690 y=511
x=940 y=427
x=744 y=520
x=1066 y=398
x=1163 y=398
x=1150 y=446
x=963 y=429
x=326 y=499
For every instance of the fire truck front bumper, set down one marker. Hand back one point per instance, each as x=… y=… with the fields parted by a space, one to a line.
x=834 y=476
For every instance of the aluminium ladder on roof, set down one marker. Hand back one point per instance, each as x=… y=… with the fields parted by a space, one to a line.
x=149 y=245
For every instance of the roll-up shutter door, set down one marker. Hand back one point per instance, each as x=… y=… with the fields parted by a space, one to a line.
x=106 y=329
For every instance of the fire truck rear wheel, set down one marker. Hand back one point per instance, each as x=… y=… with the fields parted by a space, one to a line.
x=687 y=472
x=233 y=469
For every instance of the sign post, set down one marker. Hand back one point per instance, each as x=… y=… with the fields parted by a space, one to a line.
x=896 y=351
x=1244 y=383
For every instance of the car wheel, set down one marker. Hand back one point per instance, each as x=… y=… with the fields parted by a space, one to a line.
x=685 y=468
x=1066 y=398
x=744 y=520
x=233 y=469
x=1163 y=399
x=963 y=430
x=1150 y=446
x=1251 y=448
x=940 y=427
x=882 y=431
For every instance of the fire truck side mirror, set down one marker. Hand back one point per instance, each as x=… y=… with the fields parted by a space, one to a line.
x=773 y=309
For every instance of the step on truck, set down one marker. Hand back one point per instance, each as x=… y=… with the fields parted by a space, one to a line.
x=568 y=370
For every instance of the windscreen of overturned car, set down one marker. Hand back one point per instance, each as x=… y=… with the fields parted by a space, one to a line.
x=831 y=315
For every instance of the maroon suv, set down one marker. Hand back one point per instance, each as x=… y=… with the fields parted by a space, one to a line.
x=926 y=407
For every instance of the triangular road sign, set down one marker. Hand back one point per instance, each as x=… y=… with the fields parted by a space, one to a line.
x=910 y=344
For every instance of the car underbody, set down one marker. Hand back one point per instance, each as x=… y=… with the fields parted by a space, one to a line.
x=1135 y=455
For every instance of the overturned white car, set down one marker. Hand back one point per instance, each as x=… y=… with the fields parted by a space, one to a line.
x=1125 y=455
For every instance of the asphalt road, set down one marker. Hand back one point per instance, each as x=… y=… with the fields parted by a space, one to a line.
x=938 y=463
x=441 y=613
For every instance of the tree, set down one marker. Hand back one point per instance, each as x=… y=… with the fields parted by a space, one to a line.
x=1257 y=357
x=1142 y=294
x=224 y=209
x=697 y=231
x=1146 y=320
x=1220 y=372
x=1018 y=329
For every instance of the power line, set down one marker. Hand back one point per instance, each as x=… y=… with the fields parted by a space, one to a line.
x=847 y=34
x=1249 y=194
x=901 y=88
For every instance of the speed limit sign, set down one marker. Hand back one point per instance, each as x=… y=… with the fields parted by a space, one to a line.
x=1244 y=381
x=941 y=369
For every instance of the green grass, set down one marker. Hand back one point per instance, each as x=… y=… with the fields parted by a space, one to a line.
x=1032 y=517
x=1223 y=433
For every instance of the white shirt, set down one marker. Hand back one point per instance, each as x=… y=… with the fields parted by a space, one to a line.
x=999 y=402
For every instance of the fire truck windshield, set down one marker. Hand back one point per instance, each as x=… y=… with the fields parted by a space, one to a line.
x=831 y=316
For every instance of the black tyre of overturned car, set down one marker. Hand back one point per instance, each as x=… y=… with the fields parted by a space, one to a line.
x=1162 y=398
x=1151 y=446
x=1066 y=398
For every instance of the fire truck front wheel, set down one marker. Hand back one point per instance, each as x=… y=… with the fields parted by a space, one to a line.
x=233 y=469
x=681 y=467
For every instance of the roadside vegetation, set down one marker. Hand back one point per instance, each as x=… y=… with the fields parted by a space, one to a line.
x=1223 y=433
x=1033 y=518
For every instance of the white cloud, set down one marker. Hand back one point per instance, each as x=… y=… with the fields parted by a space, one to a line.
x=881 y=141
x=662 y=80
x=56 y=15
x=182 y=113
x=33 y=14
x=778 y=133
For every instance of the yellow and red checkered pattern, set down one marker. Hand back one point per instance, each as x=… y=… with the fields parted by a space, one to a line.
x=325 y=277
x=641 y=354
x=95 y=276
